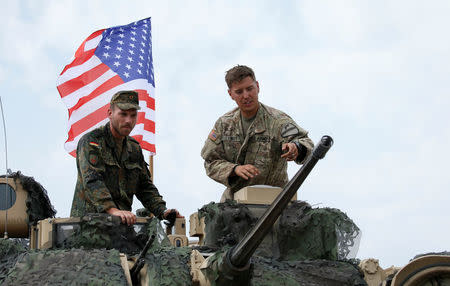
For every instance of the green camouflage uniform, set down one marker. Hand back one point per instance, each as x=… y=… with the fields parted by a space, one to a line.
x=226 y=147
x=106 y=181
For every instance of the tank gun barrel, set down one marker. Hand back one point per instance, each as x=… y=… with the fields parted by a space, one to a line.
x=240 y=254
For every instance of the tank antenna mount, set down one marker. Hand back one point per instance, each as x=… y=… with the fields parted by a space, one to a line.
x=5 y=235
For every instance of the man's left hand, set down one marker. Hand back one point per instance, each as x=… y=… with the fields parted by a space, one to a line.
x=169 y=211
x=171 y=215
x=290 y=151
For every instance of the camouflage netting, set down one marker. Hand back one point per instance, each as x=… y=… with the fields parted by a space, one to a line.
x=10 y=251
x=225 y=223
x=305 y=273
x=169 y=266
x=301 y=232
x=68 y=267
x=105 y=231
x=320 y=233
x=38 y=203
x=268 y=271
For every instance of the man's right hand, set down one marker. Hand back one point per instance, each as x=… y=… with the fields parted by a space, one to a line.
x=126 y=216
x=246 y=171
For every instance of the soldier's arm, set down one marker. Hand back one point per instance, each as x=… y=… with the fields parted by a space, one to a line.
x=148 y=194
x=216 y=165
x=92 y=170
x=290 y=132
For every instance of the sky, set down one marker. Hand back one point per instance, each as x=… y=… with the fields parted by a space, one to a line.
x=371 y=74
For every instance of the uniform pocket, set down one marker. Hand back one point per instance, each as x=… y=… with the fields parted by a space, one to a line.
x=133 y=172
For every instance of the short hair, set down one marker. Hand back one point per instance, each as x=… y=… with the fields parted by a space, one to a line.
x=237 y=74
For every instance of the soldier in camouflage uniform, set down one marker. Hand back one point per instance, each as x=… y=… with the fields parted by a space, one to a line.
x=251 y=144
x=111 y=167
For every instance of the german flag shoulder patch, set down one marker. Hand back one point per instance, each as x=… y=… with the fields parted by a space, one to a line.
x=95 y=144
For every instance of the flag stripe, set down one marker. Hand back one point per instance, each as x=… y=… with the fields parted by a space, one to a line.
x=80 y=60
x=72 y=99
x=93 y=43
x=87 y=122
x=76 y=71
x=81 y=49
x=104 y=87
x=145 y=145
x=149 y=125
x=86 y=78
x=144 y=96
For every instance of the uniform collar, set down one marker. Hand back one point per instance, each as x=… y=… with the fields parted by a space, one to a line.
x=108 y=136
x=259 y=123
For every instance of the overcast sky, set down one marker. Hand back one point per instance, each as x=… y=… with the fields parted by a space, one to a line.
x=374 y=75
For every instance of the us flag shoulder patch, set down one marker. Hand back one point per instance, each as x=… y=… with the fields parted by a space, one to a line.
x=213 y=135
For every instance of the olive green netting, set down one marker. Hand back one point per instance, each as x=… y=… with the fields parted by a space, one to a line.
x=306 y=273
x=105 y=231
x=10 y=251
x=300 y=233
x=169 y=266
x=68 y=267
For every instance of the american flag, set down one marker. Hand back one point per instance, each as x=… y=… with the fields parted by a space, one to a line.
x=110 y=60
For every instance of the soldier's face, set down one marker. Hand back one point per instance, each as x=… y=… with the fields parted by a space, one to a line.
x=245 y=93
x=122 y=121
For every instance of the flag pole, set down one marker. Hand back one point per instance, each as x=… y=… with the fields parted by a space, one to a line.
x=150 y=167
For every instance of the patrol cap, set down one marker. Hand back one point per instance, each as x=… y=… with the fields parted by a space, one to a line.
x=126 y=99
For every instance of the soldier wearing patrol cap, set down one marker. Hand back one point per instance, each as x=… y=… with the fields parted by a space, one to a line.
x=251 y=144
x=111 y=167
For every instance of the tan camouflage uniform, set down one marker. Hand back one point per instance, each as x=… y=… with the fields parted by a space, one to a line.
x=226 y=148
x=106 y=181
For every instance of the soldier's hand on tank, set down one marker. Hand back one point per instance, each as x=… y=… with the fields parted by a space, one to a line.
x=169 y=211
x=246 y=171
x=171 y=215
x=290 y=151
x=126 y=216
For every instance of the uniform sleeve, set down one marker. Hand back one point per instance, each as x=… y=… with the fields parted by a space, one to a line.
x=217 y=167
x=290 y=132
x=91 y=169
x=147 y=193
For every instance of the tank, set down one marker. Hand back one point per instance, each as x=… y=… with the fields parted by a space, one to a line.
x=254 y=240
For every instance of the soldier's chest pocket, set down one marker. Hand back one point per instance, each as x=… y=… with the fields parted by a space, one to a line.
x=262 y=148
x=112 y=169
x=133 y=171
x=231 y=145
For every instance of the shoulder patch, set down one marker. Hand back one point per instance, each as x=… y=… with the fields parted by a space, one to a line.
x=213 y=135
x=93 y=158
x=289 y=129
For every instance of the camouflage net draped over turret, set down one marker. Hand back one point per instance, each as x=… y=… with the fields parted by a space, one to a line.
x=301 y=233
x=38 y=204
x=306 y=246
